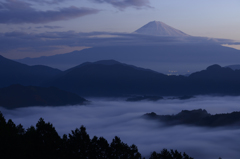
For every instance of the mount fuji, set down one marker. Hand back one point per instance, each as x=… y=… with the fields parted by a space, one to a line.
x=160 y=29
x=156 y=46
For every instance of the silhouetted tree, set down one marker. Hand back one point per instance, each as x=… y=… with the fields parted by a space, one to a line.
x=31 y=143
x=64 y=148
x=165 y=154
x=3 y=136
x=43 y=141
x=48 y=139
x=99 y=148
x=134 y=154
x=11 y=138
x=154 y=155
x=79 y=143
x=120 y=150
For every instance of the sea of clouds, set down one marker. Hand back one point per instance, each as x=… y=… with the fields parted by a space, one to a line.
x=115 y=117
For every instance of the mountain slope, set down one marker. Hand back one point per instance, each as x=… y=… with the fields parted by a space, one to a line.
x=16 y=96
x=111 y=78
x=215 y=80
x=116 y=79
x=12 y=72
x=197 y=118
x=160 y=29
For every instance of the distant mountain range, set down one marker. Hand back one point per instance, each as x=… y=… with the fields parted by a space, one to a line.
x=161 y=58
x=156 y=98
x=12 y=72
x=17 y=96
x=107 y=78
x=197 y=118
x=111 y=78
x=158 y=28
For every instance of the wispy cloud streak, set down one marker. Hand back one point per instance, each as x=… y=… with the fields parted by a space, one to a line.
x=122 y=4
x=48 y=1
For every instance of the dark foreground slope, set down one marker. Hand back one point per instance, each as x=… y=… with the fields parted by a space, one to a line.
x=111 y=78
x=12 y=72
x=17 y=96
x=198 y=118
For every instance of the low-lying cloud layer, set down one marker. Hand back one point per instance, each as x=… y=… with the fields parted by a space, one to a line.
x=109 y=118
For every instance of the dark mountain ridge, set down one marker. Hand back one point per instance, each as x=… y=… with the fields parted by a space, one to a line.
x=97 y=79
x=117 y=79
x=12 y=72
x=112 y=78
x=108 y=63
x=198 y=117
x=17 y=96
x=215 y=80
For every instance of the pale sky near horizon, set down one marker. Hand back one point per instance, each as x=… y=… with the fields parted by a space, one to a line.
x=206 y=18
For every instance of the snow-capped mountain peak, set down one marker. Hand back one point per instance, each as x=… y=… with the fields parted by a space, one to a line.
x=159 y=29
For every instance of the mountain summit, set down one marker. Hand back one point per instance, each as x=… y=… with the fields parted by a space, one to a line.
x=160 y=29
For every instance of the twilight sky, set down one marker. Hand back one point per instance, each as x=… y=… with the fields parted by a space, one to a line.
x=22 y=20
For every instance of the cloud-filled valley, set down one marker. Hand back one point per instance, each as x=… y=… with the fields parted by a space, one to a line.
x=115 y=117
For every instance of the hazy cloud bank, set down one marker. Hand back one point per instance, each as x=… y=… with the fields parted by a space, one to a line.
x=48 y=41
x=49 y=27
x=17 y=12
x=115 y=117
